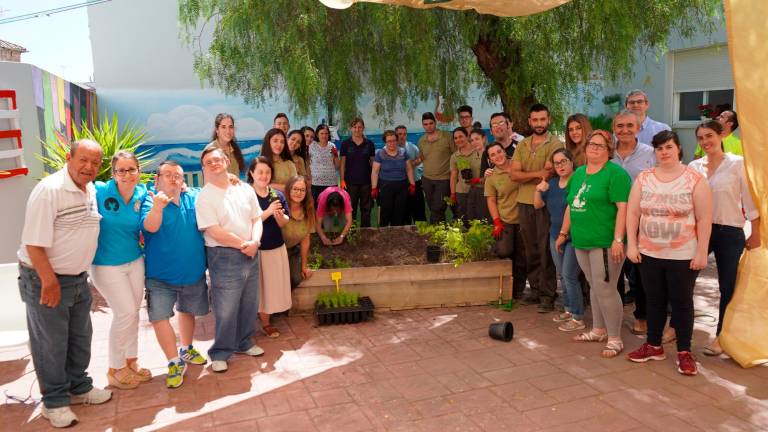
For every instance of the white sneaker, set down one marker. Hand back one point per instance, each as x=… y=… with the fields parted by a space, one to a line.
x=254 y=351
x=219 y=366
x=60 y=417
x=94 y=397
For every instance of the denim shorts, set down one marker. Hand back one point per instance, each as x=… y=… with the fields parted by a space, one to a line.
x=191 y=299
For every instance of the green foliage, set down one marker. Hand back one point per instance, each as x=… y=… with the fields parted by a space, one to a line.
x=460 y=244
x=338 y=299
x=338 y=262
x=611 y=100
x=315 y=259
x=111 y=138
x=328 y=60
x=353 y=236
x=318 y=261
x=462 y=163
x=602 y=121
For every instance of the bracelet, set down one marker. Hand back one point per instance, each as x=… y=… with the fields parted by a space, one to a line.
x=563 y=234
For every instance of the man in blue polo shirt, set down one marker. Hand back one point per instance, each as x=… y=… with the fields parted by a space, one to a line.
x=175 y=267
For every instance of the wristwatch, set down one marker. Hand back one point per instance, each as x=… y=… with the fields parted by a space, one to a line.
x=618 y=240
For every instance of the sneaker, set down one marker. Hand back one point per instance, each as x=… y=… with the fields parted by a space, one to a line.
x=254 y=351
x=96 y=396
x=686 y=364
x=60 y=417
x=646 y=352
x=219 y=366
x=572 y=325
x=562 y=317
x=175 y=376
x=191 y=355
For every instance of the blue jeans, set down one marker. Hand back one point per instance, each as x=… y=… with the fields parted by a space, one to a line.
x=60 y=337
x=191 y=299
x=568 y=269
x=234 y=298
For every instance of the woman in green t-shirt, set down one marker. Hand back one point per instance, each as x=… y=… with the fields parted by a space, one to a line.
x=595 y=220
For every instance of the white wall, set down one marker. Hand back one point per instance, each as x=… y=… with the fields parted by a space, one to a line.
x=14 y=191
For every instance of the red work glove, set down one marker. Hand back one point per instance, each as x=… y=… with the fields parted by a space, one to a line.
x=475 y=181
x=453 y=199
x=343 y=185
x=374 y=193
x=498 y=228
x=412 y=189
x=334 y=151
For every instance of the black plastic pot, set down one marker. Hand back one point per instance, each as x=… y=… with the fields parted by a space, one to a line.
x=433 y=254
x=502 y=331
x=466 y=174
x=345 y=315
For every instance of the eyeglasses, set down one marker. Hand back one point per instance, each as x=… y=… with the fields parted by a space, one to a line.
x=637 y=102
x=121 y=172
x=499 y=123
x=562 y=162
x=597 y=145
x=214 y=161
x=302 y=190
x=172 y=176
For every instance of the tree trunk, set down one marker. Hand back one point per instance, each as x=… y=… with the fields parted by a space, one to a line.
x=497 y=59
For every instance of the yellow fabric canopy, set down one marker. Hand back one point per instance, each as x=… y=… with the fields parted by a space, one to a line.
x=491 y=7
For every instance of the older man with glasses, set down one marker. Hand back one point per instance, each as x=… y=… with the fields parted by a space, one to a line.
x=637 y=102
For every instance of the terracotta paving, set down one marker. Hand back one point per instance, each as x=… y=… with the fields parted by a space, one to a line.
x=416 y=370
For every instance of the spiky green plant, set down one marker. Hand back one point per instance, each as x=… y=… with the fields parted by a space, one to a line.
x=111 y=138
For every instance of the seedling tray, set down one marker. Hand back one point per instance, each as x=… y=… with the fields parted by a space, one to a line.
x=345 y=315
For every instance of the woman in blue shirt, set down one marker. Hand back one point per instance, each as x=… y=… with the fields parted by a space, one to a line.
x=392 y=181
x=552 y=194
x=275 y=274
x=118 y=267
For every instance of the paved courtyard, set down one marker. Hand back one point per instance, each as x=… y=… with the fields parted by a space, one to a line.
x=416 y=370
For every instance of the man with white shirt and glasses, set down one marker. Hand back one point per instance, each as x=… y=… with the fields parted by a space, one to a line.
x=230 y=218
x=637 y=102
x=58 y=243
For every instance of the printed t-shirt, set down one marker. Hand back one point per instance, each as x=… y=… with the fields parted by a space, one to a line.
x=175 y=254
x=436 y=155
x=501 y=187
x=592 y=199
x=392 y=167
x=473 y=159
x=272 y=237
x=233 y=209
x=534 y=160
x=321 y=165
x=667 y=215
x=357 y=165
x=120 y=224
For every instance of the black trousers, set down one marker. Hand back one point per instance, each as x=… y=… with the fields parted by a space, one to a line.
x=393 y=201
x=294 y=265
x=477 y=205
x=435 y=192
x=632 y=272
x=416 y=210
x=669 y=282
x=534 y=225
x=316 y=191
x=510 y=245
x=727 y=243
x=361 y=195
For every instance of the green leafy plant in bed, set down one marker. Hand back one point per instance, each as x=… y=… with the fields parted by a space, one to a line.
x=460 y=244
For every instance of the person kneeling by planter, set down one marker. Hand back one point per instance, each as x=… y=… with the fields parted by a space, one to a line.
x=501 y=194
x=331 y=204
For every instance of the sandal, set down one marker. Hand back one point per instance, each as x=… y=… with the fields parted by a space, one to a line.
x=141 y=374
x=669 y=336
x=712 y=352
x=271 y=331
x=591 y=336
x=124 y=378
x=612 y=349
x=571 y=325
x=562 y=317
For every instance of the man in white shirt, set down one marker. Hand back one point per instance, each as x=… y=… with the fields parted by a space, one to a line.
x=637 y=102
x=230 y=218
x=58 y=243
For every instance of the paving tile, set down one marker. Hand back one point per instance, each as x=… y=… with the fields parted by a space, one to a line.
x=570 y=412
x=447 y=423
x=249 y=409
x=325 y=398
x=374 y=392
x=397 y=413
x=484 y=360
x=419 y=387
x=347 y=417
x=292 y=422
x=477 y=401
x=712 y=418
x=507 y=420
x=578 y=391
x=554 y=381
x=520 y=373
x=463 y=380
x=523 y=396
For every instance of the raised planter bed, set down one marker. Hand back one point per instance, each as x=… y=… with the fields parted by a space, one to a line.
x=414 y=286
x=345 y=315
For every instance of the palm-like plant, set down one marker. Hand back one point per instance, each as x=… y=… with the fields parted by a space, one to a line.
x=111 y=138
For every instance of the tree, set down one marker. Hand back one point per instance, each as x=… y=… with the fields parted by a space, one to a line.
x=330 y=59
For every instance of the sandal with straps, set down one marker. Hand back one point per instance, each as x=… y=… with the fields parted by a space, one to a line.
x=271 y=331
x=612 y=349
x=141 y=374
x=124 y=378
x=590 y=336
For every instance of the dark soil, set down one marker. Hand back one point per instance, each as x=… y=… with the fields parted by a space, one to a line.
x=374 y=247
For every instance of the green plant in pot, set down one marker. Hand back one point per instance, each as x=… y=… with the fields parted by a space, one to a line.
x=110 y=137
x=462 y=164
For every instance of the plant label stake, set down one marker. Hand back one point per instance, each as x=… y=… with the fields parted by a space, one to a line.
x=336 y=277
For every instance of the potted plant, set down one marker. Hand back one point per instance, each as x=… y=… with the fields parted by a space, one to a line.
x=341 y=307
x=706 y=112
x=462 y=164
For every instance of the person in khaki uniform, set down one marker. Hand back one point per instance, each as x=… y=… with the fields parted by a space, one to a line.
x=501 y=193
x=435 y=150
x=530 y=165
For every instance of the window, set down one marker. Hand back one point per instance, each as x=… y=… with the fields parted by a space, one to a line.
x=688 y=109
